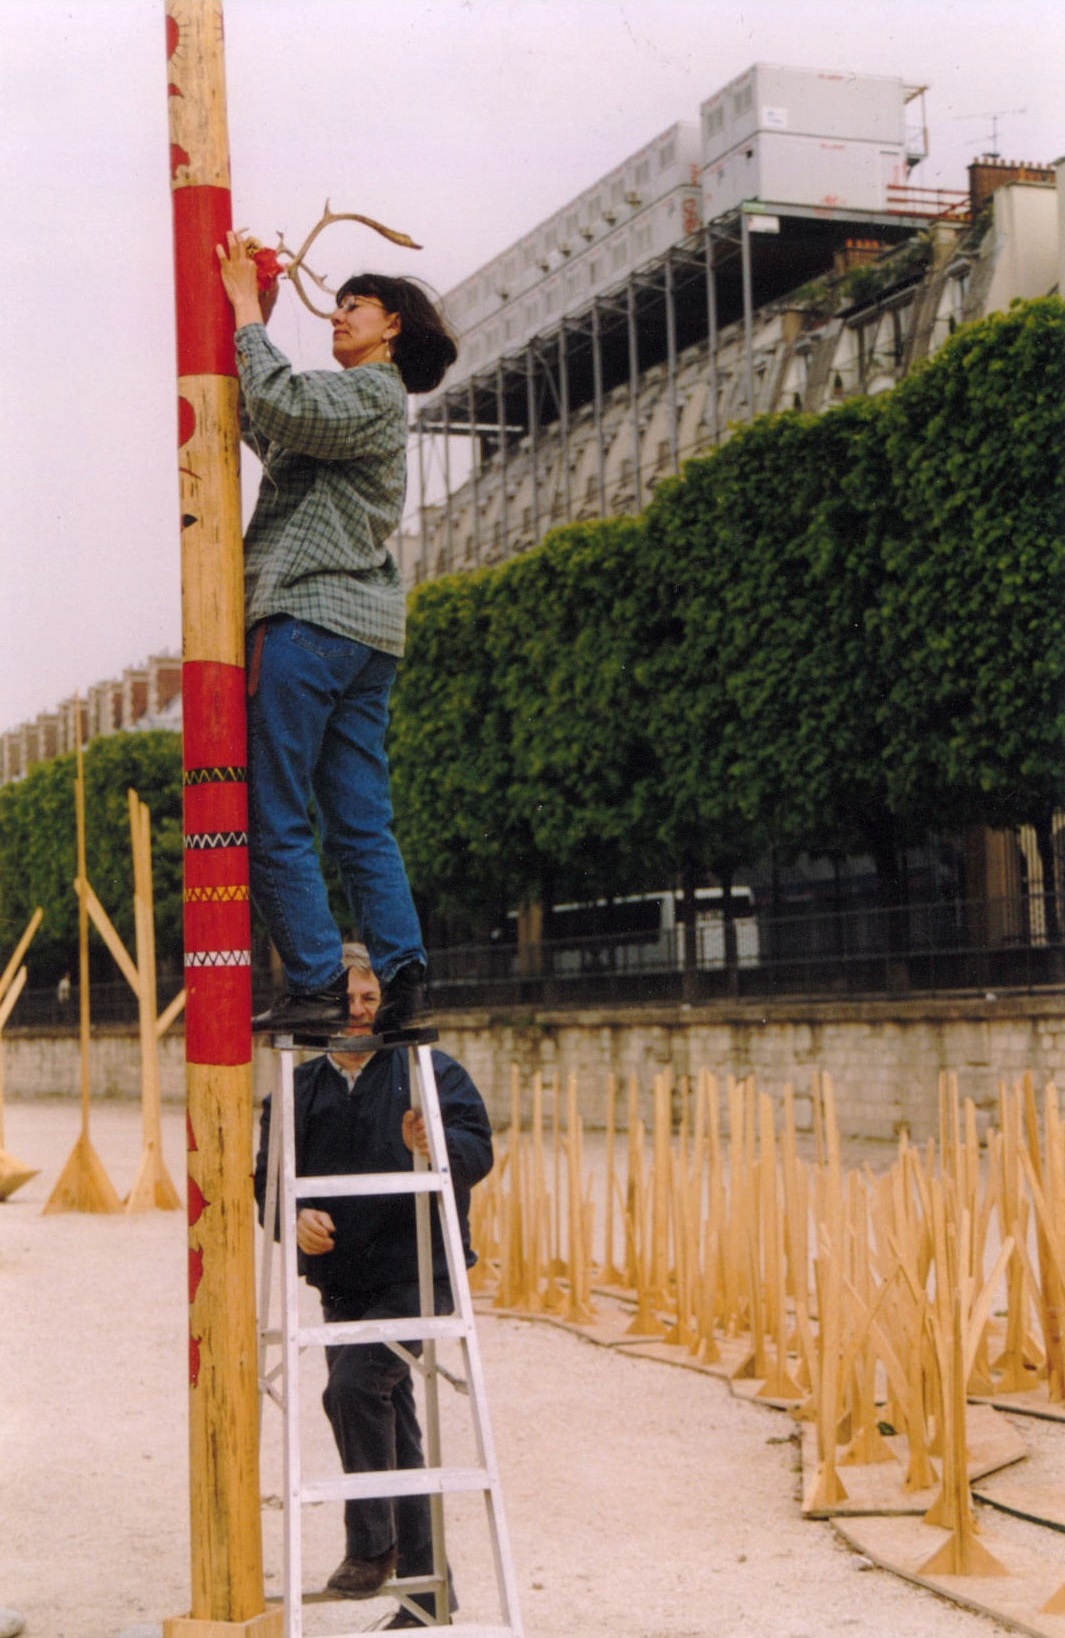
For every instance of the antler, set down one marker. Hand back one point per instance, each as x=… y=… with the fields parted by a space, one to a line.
x=295 y=266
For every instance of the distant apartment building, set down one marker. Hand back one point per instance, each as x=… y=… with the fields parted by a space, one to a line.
x=147 y=696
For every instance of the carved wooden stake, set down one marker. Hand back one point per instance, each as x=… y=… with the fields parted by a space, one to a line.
x=83 y=1184
x=227 y=1576
x=13 y=1173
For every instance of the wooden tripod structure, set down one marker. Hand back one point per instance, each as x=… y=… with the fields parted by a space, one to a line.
x=83 y=1184
x=13 y=1173
x=152 y=1185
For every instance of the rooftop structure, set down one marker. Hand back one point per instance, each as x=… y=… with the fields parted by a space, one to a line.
x=585 y=346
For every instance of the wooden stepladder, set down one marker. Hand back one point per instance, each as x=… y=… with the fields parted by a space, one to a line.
x=279 y=1380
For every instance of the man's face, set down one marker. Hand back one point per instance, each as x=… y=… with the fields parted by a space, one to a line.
x=364 y=998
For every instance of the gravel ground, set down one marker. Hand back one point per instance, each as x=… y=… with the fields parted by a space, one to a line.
x=642 y=1500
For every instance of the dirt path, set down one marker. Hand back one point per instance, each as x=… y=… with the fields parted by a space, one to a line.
x=643 y=1501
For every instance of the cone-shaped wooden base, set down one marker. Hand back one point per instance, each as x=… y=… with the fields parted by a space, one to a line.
x=962 y=1554
x=83 y=1185
x=826 y=1488
x=152 y=1186
x=1055 y=1605
x=13 y=1173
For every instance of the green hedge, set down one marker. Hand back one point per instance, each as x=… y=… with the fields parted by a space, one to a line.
x=835 y=634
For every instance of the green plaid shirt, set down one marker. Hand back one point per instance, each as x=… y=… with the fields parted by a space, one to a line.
x=333 y=447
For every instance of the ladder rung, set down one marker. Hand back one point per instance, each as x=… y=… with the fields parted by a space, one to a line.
x=417 y=1328
x=406 y=1481
x=430 y=1626
x=357 y=1183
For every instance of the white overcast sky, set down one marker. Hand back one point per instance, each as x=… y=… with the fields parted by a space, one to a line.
x=463 y=122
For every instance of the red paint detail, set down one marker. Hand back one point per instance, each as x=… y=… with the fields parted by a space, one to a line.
x=186 y=421
x=218 y=1015
x=267 y=267
x=197 y=1203
x=218 y=999
x=218 y=1005
x=178 y=156
x=194 y=1361
x=195 y=1273
x=213 y=715
x=218 y=926
x=216 y=807
x=202 y=218
x=216 y=867
x=190 y=1136
x=174 y=91
x=173 y=36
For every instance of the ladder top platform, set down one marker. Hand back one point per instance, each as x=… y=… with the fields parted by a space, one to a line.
x=301 y=1041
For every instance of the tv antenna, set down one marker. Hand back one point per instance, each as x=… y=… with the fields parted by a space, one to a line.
x=994 y=115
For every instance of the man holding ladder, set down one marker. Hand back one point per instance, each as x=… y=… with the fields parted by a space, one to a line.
x=353 y=1115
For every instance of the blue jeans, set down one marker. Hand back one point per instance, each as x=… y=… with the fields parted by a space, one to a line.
x=316 y=731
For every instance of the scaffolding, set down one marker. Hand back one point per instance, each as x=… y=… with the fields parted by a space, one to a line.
x=557 y=430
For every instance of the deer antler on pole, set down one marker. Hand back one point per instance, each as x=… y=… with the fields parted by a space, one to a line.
x=296 y=264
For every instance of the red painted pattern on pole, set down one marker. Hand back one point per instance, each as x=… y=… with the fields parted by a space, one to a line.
x=212 y=696
x=202 y=217
x=217 y=910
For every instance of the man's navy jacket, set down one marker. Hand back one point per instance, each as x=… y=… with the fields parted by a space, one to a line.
x=340 y=1131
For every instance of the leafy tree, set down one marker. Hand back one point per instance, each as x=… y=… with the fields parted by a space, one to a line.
x=465 y=850
x=38 y=849
x=701 y=811
x=970 y=617
x=807 y=504
x=566 y=631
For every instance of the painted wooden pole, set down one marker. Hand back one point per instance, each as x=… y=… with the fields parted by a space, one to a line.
x=226 y=1541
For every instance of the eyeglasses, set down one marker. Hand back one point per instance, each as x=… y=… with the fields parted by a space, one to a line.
x=348 y=304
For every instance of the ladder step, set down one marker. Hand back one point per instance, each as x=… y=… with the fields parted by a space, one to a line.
x=358 y=1183
x=416 y=1328
x=408 y=1585
x=464 y=1630
x=409 y=1481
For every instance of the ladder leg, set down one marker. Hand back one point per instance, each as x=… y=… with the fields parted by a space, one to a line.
x=284 y=1115
x=266 y=1261
x=460 y=1287
x=427 y=1304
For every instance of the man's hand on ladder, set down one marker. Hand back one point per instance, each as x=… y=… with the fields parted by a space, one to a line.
x=414 y=1134
x=315 y=1232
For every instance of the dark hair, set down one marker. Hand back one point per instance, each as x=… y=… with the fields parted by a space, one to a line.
x=425 y=346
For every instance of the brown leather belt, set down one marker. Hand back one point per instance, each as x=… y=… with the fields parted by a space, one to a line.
x=256 y=639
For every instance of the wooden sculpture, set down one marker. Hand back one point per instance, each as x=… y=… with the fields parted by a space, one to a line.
x=13 y=1173
x=83 y=1184
x=152 y=1186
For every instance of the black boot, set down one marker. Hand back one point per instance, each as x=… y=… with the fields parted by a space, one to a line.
x=324 y=1011
x=405 y=1000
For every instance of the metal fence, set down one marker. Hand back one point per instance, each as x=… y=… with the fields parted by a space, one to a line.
x=947 y=945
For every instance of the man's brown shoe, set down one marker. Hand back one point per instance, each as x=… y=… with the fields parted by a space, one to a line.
x=362 y=1577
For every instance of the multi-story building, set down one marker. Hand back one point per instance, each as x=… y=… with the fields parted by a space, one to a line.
x=147 y=696
x=775 y=255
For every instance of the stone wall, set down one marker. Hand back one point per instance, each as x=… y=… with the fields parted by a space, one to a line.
x=885 y=1057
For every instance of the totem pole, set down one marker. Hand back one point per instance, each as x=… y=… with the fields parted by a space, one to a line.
x=227 y=1578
